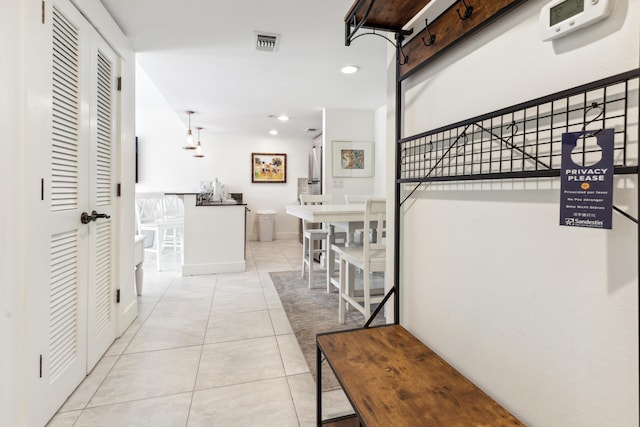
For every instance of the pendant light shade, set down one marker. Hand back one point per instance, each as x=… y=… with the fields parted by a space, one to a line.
x=198 y=146
x=189 y=145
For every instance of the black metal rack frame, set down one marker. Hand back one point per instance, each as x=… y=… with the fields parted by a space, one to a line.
x=521 y=141
x=524 y=140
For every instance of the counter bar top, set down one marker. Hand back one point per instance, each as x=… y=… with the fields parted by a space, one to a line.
x=220 y=204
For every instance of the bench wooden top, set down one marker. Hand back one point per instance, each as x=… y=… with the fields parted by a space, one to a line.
x=393 y=379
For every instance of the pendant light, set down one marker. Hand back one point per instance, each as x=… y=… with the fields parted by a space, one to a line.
x=198 y=145
x=190 y=145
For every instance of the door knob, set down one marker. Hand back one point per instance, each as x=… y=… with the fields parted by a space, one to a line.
x=85 y=218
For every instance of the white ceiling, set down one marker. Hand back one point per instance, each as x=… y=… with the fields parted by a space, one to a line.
x=200 y=56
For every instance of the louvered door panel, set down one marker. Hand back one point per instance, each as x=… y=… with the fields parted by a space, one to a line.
x=66 y=114
x=64 y=318
x=103 y=298
x=101 y=316
x=105 y=134
x=63 y=303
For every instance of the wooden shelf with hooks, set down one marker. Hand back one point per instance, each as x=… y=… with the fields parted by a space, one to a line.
x=451 y=27
x=458 y=22
x=386 y=15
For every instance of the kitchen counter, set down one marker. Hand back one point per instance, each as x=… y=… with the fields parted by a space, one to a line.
x=214 y=239
x=231 y=203
x=199 y=202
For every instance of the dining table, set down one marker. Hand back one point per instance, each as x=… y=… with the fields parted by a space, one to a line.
x=344 y=217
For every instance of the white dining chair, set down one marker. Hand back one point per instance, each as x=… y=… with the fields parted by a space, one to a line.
x=173 y=212
x=151 y=217
x=352 y=199
x=315 y=236
x=370 y=258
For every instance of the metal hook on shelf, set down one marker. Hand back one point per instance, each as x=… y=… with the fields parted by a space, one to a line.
x=432 y=37
x=468 y=10
x=593 y=105
x=403 y=58
x=514 y=130
x=429 y=149
x=465 y=139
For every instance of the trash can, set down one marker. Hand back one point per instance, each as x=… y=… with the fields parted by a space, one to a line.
x=266 y=219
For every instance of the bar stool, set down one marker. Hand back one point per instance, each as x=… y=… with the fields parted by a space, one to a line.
x=314 y=235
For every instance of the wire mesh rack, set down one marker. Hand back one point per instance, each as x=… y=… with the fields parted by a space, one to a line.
x=525 y=140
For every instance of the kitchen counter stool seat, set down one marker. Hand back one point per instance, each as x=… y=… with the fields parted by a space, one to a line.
x=315 y=236
x=151 y=217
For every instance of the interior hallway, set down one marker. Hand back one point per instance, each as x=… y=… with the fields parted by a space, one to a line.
x=213 y=350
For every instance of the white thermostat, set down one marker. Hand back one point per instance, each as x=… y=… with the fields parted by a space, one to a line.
x=561 y=17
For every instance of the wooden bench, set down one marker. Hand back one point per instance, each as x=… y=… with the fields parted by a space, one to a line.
x=393 y=379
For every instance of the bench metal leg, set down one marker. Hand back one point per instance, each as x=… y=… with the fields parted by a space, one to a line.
x=318 y=386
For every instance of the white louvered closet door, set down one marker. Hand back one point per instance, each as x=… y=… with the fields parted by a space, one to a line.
x=74 y=300
x=101 y=299
x=64 y=362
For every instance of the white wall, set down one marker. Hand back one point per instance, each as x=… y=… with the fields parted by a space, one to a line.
x=352 y=126
x=11 y=246
x=165 y=166
x=542 y=317
x=380 y=139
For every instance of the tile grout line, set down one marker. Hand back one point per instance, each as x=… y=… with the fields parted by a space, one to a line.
x=284 y=369
x=204 y=339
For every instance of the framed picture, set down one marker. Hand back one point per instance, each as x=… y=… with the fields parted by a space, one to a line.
x=352 y=159
x=269 y=167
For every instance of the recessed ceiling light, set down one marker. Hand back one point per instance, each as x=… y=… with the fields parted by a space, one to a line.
x=283 y=117
x=273 y=132
x=349 y=69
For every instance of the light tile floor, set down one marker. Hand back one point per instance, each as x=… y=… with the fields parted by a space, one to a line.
x=213 y=350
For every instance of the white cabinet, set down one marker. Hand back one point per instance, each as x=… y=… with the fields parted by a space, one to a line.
x=214 y=238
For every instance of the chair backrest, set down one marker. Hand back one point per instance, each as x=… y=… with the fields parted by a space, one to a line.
x=375 y=211
x=352 y=199
x=173 y=206
x=314 y=199
x=149 y=207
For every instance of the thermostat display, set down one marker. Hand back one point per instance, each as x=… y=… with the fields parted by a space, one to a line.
x=565 y=10
x=560 y=17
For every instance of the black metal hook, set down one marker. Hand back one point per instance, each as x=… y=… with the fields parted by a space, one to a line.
x=591 y=107
x=465 y=139
x=468 y=10
x=514 y=130
x=432 y=37
x=403 y=58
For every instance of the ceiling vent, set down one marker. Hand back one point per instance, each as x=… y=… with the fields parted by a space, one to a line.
x=266 y=42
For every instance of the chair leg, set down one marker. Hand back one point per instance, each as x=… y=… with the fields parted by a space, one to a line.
x=159 y=245
x=304 y=253
x=311 y=242
x=366 y=285
x=351 y=285
x=331 y=269
x=342 y=303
